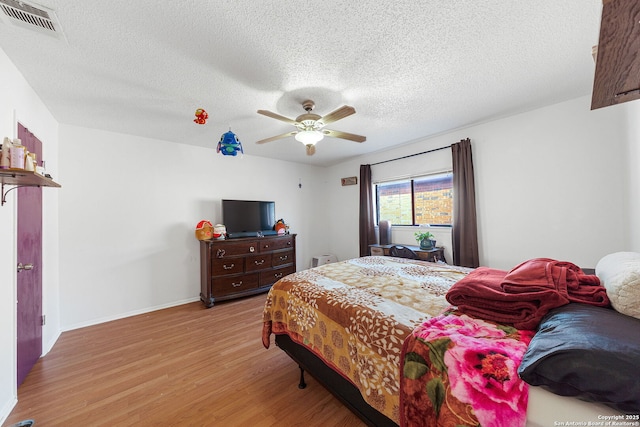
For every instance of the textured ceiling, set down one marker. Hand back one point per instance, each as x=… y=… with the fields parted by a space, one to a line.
x=410 y=68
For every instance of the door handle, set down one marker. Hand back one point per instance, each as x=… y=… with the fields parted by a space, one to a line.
x=24 y=267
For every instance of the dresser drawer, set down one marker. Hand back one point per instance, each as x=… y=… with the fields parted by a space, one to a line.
x=275 y=244
x=233 y=284
x=226 y=249
x=258 y=262
x=227 y=266
x=272 y=276
x=282 y=257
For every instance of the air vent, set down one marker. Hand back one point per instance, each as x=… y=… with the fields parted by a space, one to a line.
x=31 y=16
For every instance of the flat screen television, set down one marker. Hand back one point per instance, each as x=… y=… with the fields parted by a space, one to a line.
x=248 y=218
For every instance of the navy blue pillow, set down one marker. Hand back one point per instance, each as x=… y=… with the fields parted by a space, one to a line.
x=589 y=352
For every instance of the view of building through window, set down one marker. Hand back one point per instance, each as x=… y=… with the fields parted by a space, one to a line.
x=417 y=201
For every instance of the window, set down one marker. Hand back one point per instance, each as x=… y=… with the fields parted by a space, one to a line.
x=416 y=201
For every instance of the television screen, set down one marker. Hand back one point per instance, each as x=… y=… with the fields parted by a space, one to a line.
x=247 y=217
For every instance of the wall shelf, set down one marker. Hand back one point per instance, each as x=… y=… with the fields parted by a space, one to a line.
x=22 y=178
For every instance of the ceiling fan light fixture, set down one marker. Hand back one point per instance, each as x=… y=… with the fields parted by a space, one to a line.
x=309 y=136
x=310 y=126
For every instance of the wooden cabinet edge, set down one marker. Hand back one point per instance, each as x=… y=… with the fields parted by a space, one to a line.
x=617 y=60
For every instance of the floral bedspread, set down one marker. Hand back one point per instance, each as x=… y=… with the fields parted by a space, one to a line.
x=462 y=371
x=356 y=315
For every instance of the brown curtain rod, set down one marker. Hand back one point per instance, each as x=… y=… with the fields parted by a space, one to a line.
x=410 y=155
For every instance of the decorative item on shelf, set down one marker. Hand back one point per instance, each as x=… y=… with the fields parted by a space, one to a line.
x=201 y=116
x=280 y=227
x=5 y=156
x=229 y=144
x=204 y=230
x=17 y=154
x=425 y=239
x=219 y=232
x=29 y=162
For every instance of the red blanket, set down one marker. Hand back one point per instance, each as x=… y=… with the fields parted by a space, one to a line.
x=522 y=296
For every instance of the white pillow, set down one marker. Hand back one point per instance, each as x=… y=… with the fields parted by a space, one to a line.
x=619 y=273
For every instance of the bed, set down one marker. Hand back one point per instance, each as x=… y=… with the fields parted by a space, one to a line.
x=381 y=335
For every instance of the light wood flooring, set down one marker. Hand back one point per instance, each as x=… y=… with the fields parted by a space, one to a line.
x=182 y=366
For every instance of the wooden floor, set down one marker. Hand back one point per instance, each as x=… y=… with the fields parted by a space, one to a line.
x=183 y=366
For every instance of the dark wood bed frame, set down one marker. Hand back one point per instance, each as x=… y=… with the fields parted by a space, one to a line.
x=340 y=387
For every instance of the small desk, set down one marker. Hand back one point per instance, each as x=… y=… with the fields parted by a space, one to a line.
x=433 y=255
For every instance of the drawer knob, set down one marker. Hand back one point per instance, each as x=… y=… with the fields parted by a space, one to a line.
x=237 y=285
x=228 y=267
x=252 y=249
x=266 y=246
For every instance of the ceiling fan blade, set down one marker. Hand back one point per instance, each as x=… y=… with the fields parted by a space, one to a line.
x=338 y=114
x=311 y=149
x=273 y=138
x=277 y=116
x=344 y=135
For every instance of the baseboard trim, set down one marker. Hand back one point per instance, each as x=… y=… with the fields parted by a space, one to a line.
x=127 y=314
x=7 y=408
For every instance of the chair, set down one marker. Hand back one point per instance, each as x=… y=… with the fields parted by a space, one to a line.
x=402 y=252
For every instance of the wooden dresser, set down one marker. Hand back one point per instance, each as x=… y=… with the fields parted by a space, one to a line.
x=246 y=266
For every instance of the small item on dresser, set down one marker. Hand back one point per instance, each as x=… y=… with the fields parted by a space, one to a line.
x=5 y=155
x=280 y=227
x=17 y=153
x=219 y=232
x=204 y=230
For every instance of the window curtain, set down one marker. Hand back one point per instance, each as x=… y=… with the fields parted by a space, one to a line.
x=465 y=228
x=367 y=231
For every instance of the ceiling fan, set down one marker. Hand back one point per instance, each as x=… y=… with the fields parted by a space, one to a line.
x=311 y=126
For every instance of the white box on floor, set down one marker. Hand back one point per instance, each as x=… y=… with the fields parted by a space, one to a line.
x=323 y=259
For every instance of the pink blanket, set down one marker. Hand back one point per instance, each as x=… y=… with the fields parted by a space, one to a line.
x=461 y=371
x=522 y=296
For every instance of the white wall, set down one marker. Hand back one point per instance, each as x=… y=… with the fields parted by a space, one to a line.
x=549 y=183
x=128 y=211
x=21 y=103
x=632 y=115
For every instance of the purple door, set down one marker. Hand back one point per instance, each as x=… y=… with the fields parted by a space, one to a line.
x=29 y=283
